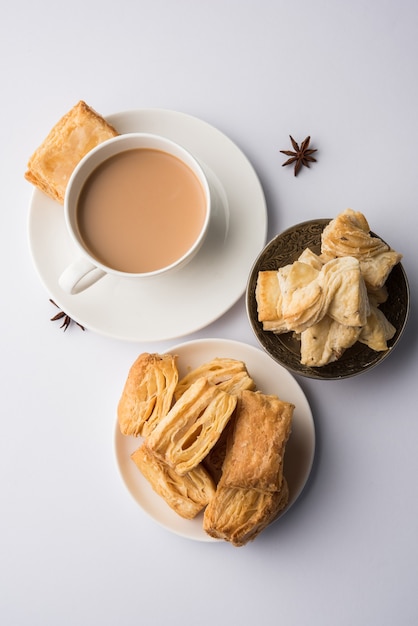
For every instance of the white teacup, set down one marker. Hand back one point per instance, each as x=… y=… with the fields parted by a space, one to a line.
x=136 y=206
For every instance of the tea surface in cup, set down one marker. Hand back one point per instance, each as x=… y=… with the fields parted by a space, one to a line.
x=141 y=210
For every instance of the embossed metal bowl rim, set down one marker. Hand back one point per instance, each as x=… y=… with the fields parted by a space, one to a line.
x=284 y=249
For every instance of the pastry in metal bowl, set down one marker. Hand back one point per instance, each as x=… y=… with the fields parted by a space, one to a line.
x=308 y=278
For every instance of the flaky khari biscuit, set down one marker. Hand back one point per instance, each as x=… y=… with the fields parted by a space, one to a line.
x=348 y=234
x=230 y=375
x=310 y=258
x=148 y=393
x=239 y=515
x=268 y=295
x=299 y=295
x=72 y=137
x=345 y=292
x=330 y=300
x=307 y=294
x=377 y=331
x=299 y=288
x=269 y=302
x=302 y=295
x=187 y=495
x=376 y=269
x=192 y=427
x=256 y=447
x=326 y=341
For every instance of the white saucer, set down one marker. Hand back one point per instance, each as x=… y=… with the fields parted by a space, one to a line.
x=179 y=304
x=270 y=378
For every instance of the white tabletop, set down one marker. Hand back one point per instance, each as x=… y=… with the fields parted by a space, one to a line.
x=75 y=548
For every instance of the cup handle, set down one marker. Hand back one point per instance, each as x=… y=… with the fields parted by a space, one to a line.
x=80 y=275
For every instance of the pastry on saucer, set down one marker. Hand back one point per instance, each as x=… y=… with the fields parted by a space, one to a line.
x=72 y=137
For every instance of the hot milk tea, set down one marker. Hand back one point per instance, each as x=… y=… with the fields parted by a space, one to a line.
x=141 y=210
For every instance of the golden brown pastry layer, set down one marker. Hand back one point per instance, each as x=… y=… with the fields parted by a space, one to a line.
x=377 y=331
x=239 y=515
x=255 y=453
x=147 y=394
x=349 y=235
x=229 y=375
x=74 y=135
x=192 y=427
x=326 y=341
x=187 y=495
x=252 y=489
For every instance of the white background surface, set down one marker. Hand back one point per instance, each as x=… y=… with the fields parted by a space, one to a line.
x=74 y=546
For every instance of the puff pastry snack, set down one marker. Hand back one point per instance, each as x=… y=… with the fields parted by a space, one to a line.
x=192 y=427
x=346 y=294
x=302 y=296
x=376 y=269
x=349 y=235
x=252 y=489
x=326 y=341
x=239 y=515
x=230 y=375
x=147 y=394
x=307 y=294
x=269 y=300
x=187 y=495
x=330 y=300
x=214 y=450
x=255 y=452
x=72 y=137
x=377 y=331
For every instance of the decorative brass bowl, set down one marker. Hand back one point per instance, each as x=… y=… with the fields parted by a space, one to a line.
x=285 y=349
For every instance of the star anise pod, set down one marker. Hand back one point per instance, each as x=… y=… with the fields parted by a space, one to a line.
x=63 y=316
x=301 y=156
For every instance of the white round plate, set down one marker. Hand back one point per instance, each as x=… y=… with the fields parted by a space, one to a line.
x=270 y=378
x=173 y=306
